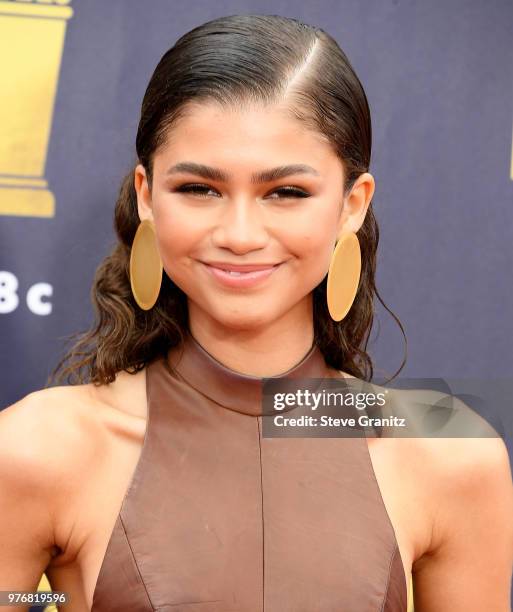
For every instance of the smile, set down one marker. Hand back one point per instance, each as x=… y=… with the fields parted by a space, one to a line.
x=232 y=278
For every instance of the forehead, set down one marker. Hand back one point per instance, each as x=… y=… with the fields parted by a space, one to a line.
x=253 y=134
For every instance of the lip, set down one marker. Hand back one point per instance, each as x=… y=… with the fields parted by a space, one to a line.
x=249 y=278
x=222 y=265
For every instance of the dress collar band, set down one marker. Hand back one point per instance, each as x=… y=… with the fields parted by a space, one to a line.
x=232 y=389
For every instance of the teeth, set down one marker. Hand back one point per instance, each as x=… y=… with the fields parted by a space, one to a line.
x=235 y=273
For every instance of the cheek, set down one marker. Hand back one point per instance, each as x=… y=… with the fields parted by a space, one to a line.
x=313 y=230
x=177 y=234
x=321 y=241
x=313 y=247
x=309 y=265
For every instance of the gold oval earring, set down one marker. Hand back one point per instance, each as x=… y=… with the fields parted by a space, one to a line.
x=343 y=276
x=145 y=266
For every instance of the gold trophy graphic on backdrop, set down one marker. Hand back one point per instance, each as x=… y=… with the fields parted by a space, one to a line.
x=31 y=44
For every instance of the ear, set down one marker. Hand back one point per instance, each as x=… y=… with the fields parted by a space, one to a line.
x=144 y=203
x=356 y=204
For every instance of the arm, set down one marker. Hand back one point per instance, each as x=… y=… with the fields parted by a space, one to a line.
x=469 y=565
x=26 y=524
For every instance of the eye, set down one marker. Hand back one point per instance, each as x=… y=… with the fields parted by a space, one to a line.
x=292 y=192
x=197 y=189
x=200 y=190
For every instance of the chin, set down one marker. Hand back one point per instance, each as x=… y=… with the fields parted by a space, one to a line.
x=244 y=321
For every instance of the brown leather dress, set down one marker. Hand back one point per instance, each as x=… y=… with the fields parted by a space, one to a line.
x=218 y=518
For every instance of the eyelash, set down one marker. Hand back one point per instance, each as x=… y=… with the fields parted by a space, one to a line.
x=195 y=188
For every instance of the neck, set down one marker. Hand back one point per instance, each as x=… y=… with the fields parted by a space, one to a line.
x=268 y=351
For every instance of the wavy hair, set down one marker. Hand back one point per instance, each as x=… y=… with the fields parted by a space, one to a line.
x=233 y=60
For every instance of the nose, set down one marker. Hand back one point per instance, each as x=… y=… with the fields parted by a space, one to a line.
x=241 y=227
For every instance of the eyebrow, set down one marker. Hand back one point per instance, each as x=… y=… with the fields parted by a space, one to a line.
x=216 y=174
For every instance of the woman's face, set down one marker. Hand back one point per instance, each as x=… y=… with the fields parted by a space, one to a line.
x=291 y=221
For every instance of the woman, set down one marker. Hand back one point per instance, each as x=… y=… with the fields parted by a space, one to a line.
x=253 y=149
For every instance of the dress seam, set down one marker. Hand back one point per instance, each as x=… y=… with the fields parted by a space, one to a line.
x=135 y=563
x=262 y=502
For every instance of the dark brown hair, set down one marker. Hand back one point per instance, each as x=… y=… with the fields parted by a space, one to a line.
x=234 y=60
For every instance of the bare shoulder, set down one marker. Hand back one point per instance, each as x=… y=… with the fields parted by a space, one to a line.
x=59 y=429
x=31 y=426
x=467 y=474
x=45 y=433
x=467 y=484
x=464 y=486
x=54 y=443
x=469 y=561
x=460 y=468
x=41 y=440
x=455 y=445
